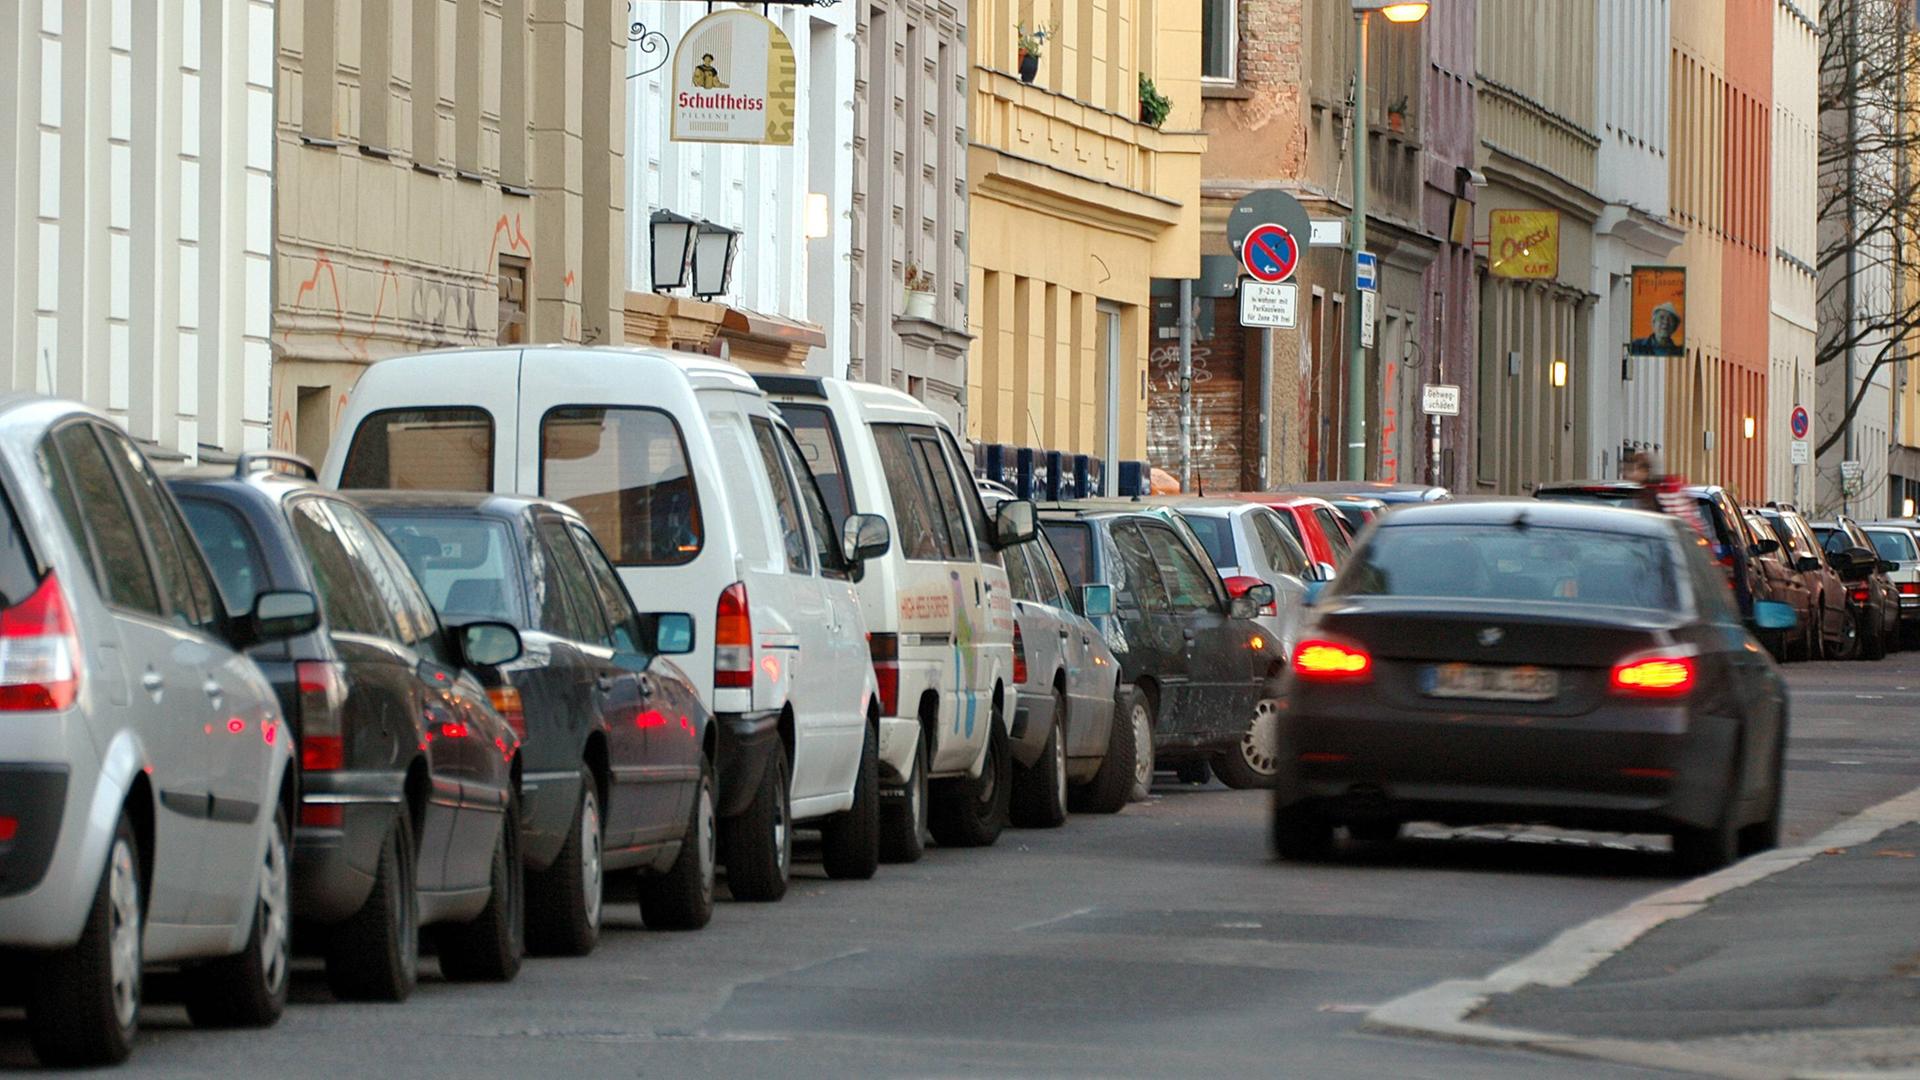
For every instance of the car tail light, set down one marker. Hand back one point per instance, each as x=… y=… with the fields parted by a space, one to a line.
x=506 y=702
x=1238 y=586
x=323 y=815
x=1858 y=594
x=733 y=640
x=323 y=694
x=8 y=828
x=1910 y=588
x=1330 y=661
x=1019 y=657
x=885 y=649
x=1654 y=675
x=39 y=654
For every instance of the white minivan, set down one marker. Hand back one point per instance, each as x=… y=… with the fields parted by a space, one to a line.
x=938 y=605
x=695 y=488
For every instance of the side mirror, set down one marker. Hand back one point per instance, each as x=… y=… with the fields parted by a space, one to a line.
x=1856 y=563
x=1096 y=601
x=1325 y=572
x=277 y=616
x=1013 y=523
x=488 y=644
x=1774 y=615
x=1243 y=607
x=672 y=634
x=1766 y=547
x=865 y=536
x=1887 y=566
x=1807 y=563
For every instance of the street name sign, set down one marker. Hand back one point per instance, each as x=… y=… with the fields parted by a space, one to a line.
x=1437 y=399
x=1328 y=232
x=1273 y=305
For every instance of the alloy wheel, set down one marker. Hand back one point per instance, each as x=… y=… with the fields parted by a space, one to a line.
x=706 y=830
x=1059 y=768
x=123 y=933
x=1143 y=746
x=782 y=831
x=276 y=939
x=592 y=870
x=1260 y=745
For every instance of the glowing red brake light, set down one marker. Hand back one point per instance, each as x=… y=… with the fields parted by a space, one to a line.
x=1858 y=593
x=1654 y=676
x=1019 y=657
x=39 y=654
x=733 y=640
x=1910 y=588
x=1329 y=661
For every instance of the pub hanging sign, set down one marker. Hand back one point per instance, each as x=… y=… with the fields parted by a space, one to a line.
x=734 y=78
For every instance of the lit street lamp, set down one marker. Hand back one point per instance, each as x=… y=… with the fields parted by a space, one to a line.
x=1395 y=11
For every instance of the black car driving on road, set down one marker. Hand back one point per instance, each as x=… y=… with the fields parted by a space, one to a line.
x=1525 y=662
x=619 y=751
x=409 y=778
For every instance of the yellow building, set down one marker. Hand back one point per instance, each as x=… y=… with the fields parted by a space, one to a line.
x=1075 y=207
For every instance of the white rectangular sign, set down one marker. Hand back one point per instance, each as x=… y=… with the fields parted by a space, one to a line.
x=1850 y=470
x=1366 y=319
x=1802 y=452
x=1437 y=399
x=1267 y=305
x=1328 y=232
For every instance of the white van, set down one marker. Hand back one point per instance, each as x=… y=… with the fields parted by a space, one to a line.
x=938 y=605
x=694 y=486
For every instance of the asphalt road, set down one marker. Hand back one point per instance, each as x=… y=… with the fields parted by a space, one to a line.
x=1161 y=942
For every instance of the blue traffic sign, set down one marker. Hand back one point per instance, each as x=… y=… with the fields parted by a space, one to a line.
x=1270 y=253
x=1366 y=271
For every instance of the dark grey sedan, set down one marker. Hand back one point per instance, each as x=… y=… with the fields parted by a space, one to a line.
x=1521 y=662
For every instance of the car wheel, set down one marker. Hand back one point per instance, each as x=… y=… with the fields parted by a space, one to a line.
x=83 y=1003
x=1764 y=835
x=970 y=811
x=759 y=840
x=375 y=954
x=564 y=900
x=903 y=815
x=1040 y=793
x=682 y=898
x=850 y=840
x=249 y=989
x=1112 y=783
x=1848 y=647
x=1255 y=760
x=1301 y=834
x=1703 y=849
x=1141 y=718
x=489 y=948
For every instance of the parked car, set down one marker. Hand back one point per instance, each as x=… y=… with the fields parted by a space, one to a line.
x=1834 y=633
x=938 y=605
x=1359 y=510
x=147 y=790
x=1899 y=543
x=688 y=479
x=618 y=762
x=1317 y=525
x=1874 y=599
x=1783 y=581
x=1709 y=508
x=1202 y=674
x=1391 y=493
x=1451 y=674
x=1249 y=545
x=409 y=805
x=1066 y=747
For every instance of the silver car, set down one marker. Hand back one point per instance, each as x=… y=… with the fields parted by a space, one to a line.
x=1250 y=545
x=1063 y=730
x=145 y=771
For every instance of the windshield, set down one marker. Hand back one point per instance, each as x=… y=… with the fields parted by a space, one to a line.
x=466 y=564
x=1478 y=562
x=1894 y=545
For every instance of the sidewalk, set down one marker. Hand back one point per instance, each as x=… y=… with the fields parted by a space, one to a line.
x=1798 y=963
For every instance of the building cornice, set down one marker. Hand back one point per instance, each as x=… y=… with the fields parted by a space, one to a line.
x=1506 y=167
x=1037 y=185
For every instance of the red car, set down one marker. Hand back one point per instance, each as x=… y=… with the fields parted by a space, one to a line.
x=1316 y=523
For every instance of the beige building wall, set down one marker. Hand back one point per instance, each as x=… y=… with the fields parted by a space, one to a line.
x=450 y=173
x=1075 y=206
x=1796 y=183
x=1698 y=190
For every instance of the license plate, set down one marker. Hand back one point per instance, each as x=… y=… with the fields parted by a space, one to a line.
x=1491 y=683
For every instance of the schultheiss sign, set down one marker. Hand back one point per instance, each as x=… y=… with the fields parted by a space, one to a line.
x=733 y=81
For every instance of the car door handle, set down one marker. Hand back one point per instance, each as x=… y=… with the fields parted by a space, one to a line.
x=154 y=684
x=214 y=692
x=1187 y=632
x=604 y=681
x=645 y=683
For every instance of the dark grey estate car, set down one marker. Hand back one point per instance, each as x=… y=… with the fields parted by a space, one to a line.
x=1533 y=662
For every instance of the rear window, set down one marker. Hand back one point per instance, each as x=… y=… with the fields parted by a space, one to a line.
x=1475 y=562
x=439 y=449
x=19 y=573
x=465 y=564
x=1216 y=535
x=231 y=550
x=1071 y=542
x=1894 y=545
x=1624 y=498
x=820 y=447
x=625 y=471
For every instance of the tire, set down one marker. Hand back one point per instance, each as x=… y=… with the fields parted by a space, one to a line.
x=682 y=898
x=1112 y=783
x=489 y=948
x=1301 y=834
x=850 y=840
x=564 y=901
x=83 y=1003
x=1702 y=850
x=903 y=818
x=1253 y=762
x=1140 y=716
x=1039 y=798
x=249 y=989
x=759 y=840
x=970 y=811
x=375 y=954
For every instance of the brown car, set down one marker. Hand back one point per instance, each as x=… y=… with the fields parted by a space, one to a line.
x=1832 y=632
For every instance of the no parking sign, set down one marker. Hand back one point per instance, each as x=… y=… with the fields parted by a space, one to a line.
x=1270 y=253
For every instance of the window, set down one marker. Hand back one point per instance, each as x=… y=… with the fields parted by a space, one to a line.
x=465 y=564
x=1335 y=533
x=1586 y=567
x=347 y=596
x=1283 y=551
x=394 y=585
x=438 y=449
x=1713 y=595
x=1216 y=535
x=1894 y=545
x=626 y=472
x=1070 y=542
x=915 y=528
x=983 y=527
x=786 y=501
x=19 y=571
x=183 y=577
x=826 y=535
x=946 y=497
x=231 y=548
x=1019 y=576
x=615 y=603
x=1189 y=587
x=1219 y=41
x=589 y=624
x=1142 y=588
x=820 y=448
x=110 y=531
x=1046 y=564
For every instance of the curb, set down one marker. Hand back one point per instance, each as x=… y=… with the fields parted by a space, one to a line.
x=1441 y=1011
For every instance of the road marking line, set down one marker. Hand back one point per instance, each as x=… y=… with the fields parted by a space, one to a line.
x=1074 y=914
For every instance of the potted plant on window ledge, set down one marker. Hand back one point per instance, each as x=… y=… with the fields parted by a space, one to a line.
x=1031 y=42
x=1154 y=105
x=917 y=295
x=1397 y=114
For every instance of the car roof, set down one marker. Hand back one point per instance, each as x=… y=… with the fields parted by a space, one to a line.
x=1521 y=512
x=701 y=371
x=488 y=503
x=1373 y=489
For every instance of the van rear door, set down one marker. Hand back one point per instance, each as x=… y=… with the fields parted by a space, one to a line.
x=440 y=422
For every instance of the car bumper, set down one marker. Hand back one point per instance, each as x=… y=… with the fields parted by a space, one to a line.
x=334 y=864
x=747 y=741
x=1032 y=720
x=1616 y=768
x=65 y=795
x=899 y=736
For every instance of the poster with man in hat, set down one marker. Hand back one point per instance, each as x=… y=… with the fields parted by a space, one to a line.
x=1659 y=311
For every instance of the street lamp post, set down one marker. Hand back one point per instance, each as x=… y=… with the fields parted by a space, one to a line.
x=1398 y=11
